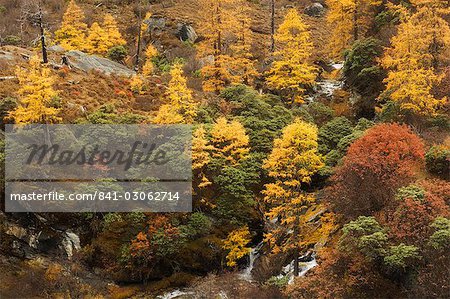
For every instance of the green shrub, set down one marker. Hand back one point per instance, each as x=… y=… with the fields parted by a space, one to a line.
x=6 y=105
x=332 y=132
x=320 y=112
x=117 y=53
x=12 y=40
x=438 y=160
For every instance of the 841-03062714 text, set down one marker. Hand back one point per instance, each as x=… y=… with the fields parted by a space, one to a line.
x=98 y=195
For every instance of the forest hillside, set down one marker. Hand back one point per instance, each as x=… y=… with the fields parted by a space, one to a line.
x=320 y=146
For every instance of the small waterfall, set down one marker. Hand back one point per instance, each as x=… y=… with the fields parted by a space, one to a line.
x=174 y=294
x=326 y=87
x=307 y=262
x=254 y=254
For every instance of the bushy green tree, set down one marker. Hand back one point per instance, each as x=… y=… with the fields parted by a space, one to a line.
x=332 y=132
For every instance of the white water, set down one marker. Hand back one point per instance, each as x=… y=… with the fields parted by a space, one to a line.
x=304 y=267
x=174 y=294
x=254 y=254
x=326 y=87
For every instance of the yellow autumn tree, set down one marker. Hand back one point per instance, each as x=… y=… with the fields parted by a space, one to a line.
x=113 y=36
x=200 y=155
x=219 y=22
x=236 y=245
x=229 y=141
x=137 y=84
x=35 y=95
x=72 y=34
x=348 y=20
x=291 y=164
x=411 y=61
x=292 y=70
x=180 y=106
x=242 y=66
x=97 y=40
x=148 y=68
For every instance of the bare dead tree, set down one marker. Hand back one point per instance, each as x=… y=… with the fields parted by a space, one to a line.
x=138 y=47
x=272 y=25
x=32 y=13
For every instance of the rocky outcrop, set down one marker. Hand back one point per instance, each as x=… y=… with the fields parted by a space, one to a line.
x=86 y=62
x=155 y=23
x=315 y=10
x=70 y=243
x=186 y=33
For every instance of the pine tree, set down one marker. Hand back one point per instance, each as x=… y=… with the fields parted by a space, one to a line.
x=292 y=163
x=148 y=68
x=36 y=93
x=72 y=34
x=97 y=40
x=180 y=107
x=113 y=36
x=292 y=71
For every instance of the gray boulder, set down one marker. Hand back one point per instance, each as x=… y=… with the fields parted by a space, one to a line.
x=55 y=48
x=315 y=10
x=70 y=243
x=186 y=33
x=86 y=62
x=155 y=23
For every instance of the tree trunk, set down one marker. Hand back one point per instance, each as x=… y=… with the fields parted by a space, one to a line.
x=296 y=257
x=138 y=47
x=43 y=45
x=272 y=26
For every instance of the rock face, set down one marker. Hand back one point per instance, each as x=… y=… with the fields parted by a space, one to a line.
x=86 y=62
x=186 y=33
x=315 y=10
x=155 y=23
x=70 y=243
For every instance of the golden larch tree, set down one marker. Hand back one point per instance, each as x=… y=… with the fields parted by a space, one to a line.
x=150 y=53
x=236 y=245
x=97 y=40
x=349 y=21
x=219 y=23
x=35 y=95
x=229 y=141
x=180 y=106
x=242 y=66
x=292 y=70
x=411 y=60
x=113 y=35
x=291 y=164
x=72 y=34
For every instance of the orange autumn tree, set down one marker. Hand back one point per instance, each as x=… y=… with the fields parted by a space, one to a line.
x=292 y=71
x=385 y=158
x=291 y=164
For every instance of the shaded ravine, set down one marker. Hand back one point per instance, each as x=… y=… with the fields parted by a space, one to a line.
x=324 y=88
